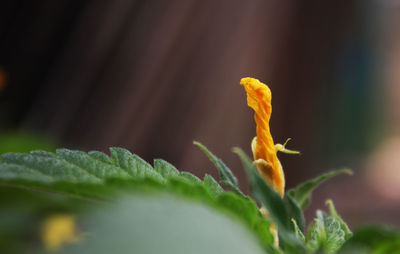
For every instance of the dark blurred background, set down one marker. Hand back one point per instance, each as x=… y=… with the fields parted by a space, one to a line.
x=152 y=76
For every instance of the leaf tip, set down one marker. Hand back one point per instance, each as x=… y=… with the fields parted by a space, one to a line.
x=347 y=171
x=236 y=150
x=200 y=145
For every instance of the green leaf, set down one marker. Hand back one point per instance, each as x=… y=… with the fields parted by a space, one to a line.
x=299 y=234
x=161 y=224
x=190 y=177
x=75 y=166
x=246 y=208
x=63 y=171
x=133 y=164
x=101 y=157
x=95 y=167
x=295 y=212
x=377 y=239
x=302 y=193
x=343 y=225
x=225 y=173
x=326 y=234
x=164 y=168
x=53 y=169
x=212 y=185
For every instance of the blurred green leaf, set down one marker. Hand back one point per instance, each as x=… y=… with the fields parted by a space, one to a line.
x=302 y=193
x=299 y=234
x=247 y=208
x=162 y=224
x=23 y=142
x=376 y=239
x=295 y=212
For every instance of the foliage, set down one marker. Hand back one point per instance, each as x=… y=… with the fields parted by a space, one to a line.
x=377 y=239
x=123 y=204
x=97 y=178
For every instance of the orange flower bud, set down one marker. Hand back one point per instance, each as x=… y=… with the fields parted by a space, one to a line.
x=264 y=150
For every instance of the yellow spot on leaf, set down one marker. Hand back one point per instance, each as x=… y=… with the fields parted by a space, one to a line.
x=59 y=229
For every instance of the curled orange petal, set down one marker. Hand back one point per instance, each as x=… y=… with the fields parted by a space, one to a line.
x=264 y=152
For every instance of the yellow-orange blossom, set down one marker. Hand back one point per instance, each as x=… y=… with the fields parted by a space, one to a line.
x=264 y=150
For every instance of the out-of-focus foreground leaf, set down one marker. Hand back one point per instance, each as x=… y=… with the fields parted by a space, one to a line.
x=23 y=142
x=376 y=239
x=161 y=224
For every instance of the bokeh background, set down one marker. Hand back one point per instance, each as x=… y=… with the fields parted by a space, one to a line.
x=152 y=76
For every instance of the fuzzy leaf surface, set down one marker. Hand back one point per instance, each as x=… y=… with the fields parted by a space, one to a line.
x=347 y=233
x=326 y=234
